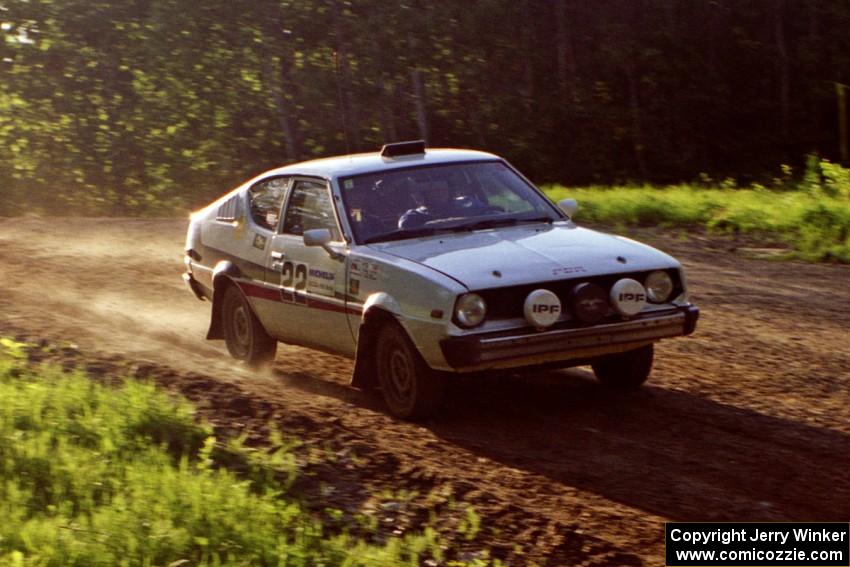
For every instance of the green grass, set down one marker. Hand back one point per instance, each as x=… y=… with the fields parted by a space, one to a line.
x=814 y=223
x=126 y=475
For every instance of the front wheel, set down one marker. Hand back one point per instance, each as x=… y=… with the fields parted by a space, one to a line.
x=625 y=370
x=410 y=388
x=244 y=335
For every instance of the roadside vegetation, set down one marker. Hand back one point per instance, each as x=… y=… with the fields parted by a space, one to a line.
x=94 y=474
x=810 y=215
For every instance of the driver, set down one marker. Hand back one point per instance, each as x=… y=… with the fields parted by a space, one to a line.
x=438 y=203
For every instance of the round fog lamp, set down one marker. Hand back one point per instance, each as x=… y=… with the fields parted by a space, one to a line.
x=659 y=286
x=628 y=297
x=470 y=310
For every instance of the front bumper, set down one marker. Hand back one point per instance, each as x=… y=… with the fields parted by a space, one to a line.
x=515 y=349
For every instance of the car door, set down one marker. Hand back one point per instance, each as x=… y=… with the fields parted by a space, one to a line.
x=311 y=282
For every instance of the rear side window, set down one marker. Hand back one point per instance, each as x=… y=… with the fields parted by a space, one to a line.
x=310 y=207
x=266 y=201
x=229 y=211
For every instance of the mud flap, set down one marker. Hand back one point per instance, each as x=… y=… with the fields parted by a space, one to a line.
x=222 y=275
x=364 y=376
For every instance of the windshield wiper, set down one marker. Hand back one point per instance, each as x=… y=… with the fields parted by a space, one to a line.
x=492 y=223
x=401 y=234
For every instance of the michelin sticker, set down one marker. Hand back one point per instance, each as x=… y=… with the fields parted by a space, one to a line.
x=320 y=281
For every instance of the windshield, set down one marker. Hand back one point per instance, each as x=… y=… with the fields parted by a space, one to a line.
x=405 y=203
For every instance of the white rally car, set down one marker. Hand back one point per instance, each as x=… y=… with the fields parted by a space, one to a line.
x=421 y=263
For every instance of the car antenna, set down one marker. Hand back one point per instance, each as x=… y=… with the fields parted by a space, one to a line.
x=341 y=105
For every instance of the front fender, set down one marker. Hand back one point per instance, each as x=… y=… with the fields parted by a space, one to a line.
x=381 y=300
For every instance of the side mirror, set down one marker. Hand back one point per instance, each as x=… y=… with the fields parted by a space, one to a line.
x=569 y=206
x=321 y=237
x=317 y=237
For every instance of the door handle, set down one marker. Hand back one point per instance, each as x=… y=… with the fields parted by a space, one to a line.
x=277 y=260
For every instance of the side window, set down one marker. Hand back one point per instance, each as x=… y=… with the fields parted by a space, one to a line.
x=310 y=207
x=266 y=200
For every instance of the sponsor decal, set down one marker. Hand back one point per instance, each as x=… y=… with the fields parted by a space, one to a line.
x=320 y=281
x=300 y=277
x=365 y=270
x=354 y=287
x=260 y=241
x=542 y=308
x=628 y=297
x=567 y=270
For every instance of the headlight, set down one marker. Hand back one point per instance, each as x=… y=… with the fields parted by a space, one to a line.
x=658 y=286
x=470 y=310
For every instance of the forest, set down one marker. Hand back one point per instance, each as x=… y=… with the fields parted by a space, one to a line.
x=139 y=107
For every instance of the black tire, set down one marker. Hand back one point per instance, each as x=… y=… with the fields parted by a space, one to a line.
x=625 y=371
x=244 y=335
x=410 y=388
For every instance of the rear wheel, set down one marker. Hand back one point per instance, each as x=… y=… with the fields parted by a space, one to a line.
x=244 y=335
x=410 y=388
x=626 y=370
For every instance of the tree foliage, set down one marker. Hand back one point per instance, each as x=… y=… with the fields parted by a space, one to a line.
x=141 y=106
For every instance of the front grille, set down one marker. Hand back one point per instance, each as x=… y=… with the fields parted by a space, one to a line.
x=507 y=302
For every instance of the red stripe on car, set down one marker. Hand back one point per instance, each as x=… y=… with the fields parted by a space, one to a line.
x=272 y=294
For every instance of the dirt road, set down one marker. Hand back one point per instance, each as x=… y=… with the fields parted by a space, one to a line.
x=747 y=420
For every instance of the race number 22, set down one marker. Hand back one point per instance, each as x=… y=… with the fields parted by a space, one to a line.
x=294 y=274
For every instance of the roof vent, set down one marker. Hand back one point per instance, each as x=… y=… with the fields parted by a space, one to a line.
x=403 y=148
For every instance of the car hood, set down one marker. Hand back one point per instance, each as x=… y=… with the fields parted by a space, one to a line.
x=527 y=253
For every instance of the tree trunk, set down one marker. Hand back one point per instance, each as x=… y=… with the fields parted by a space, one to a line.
x=385 y=96
x=637 y=129
x=277 y=88
x=387 y=115
x=419 y=103
x=527 y=89
x=566 y=53
x=417 y=88
x=349 y=106
x=814 y=45
x=784 y=71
